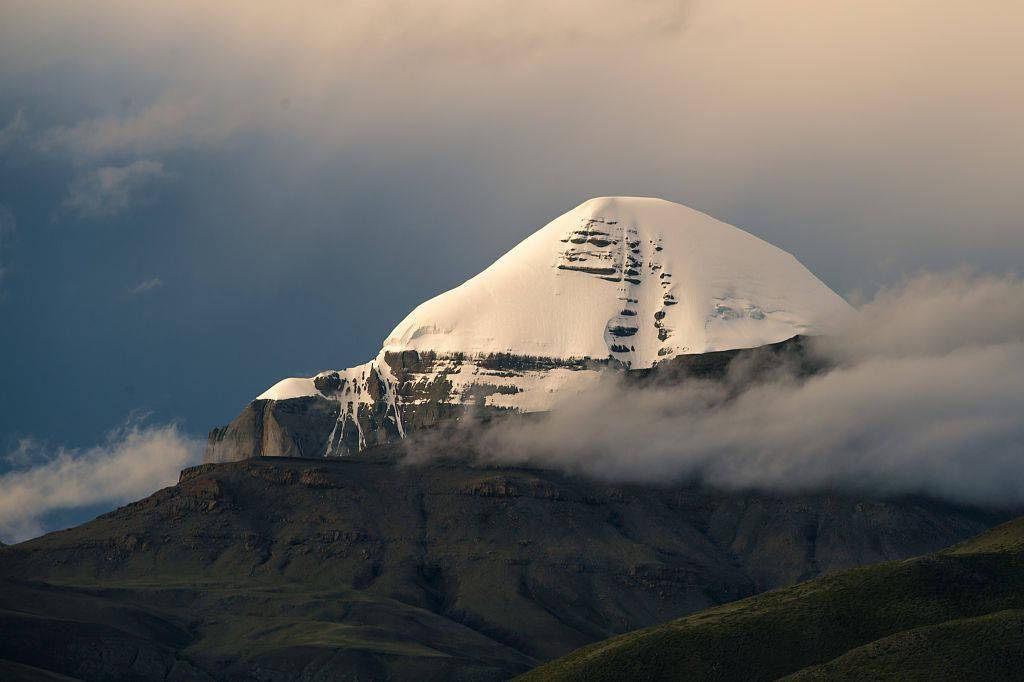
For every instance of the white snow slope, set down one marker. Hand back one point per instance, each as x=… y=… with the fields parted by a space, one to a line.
x=638 y=279
x=560 y=291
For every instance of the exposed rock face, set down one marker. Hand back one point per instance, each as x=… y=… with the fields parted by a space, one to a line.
x=358 y=409
x=288 y=569
x=281 y=428
x=352 y=413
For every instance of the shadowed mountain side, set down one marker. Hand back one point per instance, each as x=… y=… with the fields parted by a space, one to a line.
x=953 y=615
x=293 y=568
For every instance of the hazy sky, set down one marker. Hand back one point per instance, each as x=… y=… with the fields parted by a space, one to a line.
x=198 y=199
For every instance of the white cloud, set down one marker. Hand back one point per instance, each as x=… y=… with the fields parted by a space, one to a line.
x=926 y=397
x=146 y=286
x=110 y=190
x=133 y=463
x=168 y=124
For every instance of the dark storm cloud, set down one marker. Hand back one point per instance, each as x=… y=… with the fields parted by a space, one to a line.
x=925 y=396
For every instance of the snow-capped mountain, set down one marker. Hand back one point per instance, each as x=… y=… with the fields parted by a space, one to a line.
x=617 y=282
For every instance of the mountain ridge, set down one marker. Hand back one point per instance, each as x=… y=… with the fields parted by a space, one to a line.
x=289 y=566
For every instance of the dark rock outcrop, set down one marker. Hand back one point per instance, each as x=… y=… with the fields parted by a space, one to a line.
x=276 y=428
x=422 y=397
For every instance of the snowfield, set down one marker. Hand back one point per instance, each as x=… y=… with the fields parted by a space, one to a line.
x=686 y=283
x=637 y=280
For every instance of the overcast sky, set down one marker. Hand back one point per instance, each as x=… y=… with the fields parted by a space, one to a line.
x=198 y=199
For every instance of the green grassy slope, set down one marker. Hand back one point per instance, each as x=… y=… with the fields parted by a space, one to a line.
x=987 y=647
x=956 y=614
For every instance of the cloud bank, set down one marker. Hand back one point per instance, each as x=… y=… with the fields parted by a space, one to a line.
x=133 y=463
x=924 y=395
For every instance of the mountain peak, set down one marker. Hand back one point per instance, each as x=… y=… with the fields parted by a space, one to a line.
x=619 y=283
x=636 y=279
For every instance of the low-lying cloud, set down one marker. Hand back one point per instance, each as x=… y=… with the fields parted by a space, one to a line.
x=133 y=463
x=924 y=395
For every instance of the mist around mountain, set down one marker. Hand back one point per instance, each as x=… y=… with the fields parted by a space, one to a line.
x=481 y=549
x=638 y=414
x=880 y=407
x=425 y=519
x=920 y=394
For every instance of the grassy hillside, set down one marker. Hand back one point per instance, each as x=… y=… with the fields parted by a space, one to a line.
x=281 y=569
x=956 y=614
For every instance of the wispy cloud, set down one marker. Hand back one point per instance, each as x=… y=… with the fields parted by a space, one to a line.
x=925 y=396
x=110 y=190
x=15 y=129
x=169 y=123
x=134 y=462
x=146 y=286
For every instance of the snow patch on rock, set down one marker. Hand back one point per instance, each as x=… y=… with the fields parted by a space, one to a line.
x=286 y=389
